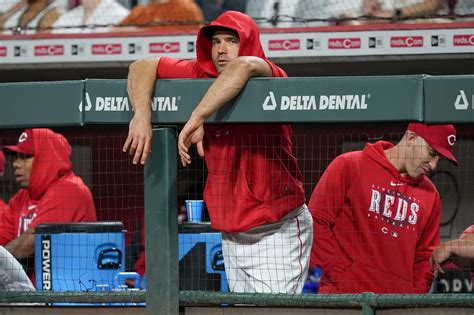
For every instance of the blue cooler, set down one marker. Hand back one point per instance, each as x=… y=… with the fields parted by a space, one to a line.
x=78 y=256
x=201 y=263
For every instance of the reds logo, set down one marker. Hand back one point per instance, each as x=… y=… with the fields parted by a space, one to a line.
x=23 y=137
x=284 y=44
x=3 y=51
x=406 y=41
x=344 y=43
x=393 y=207
x=106 y=49
x=451 y=139
x=463 y=40
x=49 y=50
x=166 y=47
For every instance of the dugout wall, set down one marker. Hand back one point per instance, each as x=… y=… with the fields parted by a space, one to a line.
x=296 y=100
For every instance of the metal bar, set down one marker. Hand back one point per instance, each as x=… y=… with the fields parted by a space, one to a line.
x=72 y=297
x=378 y=301
x=161 y=225
x=327 y=300
x=367 y=310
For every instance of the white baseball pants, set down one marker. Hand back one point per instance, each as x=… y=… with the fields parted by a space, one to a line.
x=272 y=258
x=12 y=274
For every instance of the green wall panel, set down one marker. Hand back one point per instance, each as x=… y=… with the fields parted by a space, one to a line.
x=351 y=99
x=305 y=100
x=38 y=104
x=449 y=99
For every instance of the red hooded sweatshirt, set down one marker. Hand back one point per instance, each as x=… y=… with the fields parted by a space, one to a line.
x=253 y=177
x=54 y=194
x=374 y=230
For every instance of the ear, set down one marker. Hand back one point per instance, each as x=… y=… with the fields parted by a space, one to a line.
x=411 y=136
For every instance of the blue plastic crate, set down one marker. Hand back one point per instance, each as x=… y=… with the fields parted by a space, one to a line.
x=78 y=256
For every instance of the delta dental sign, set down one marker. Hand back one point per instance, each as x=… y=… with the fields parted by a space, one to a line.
x=462 y=102
x=309 y=102
x=121 y=104
x=290 y=103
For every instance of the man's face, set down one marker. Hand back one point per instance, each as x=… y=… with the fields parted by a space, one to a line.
x=23 y=165
x=421 y=158
x=225 y=48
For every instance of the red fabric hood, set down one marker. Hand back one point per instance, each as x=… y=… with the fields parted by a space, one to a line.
x=249 y=36
x=52 y=161
x=376 y=152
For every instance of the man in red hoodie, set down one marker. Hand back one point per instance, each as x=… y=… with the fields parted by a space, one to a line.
x=49 y=190
x=376 y=214
x=254 y=191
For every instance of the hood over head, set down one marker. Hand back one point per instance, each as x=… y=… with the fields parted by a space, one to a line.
x=239 y=22
x=52 y=161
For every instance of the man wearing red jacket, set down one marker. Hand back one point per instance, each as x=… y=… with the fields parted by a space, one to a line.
x=254 y=191
x=49 y=190
x=376 y=214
